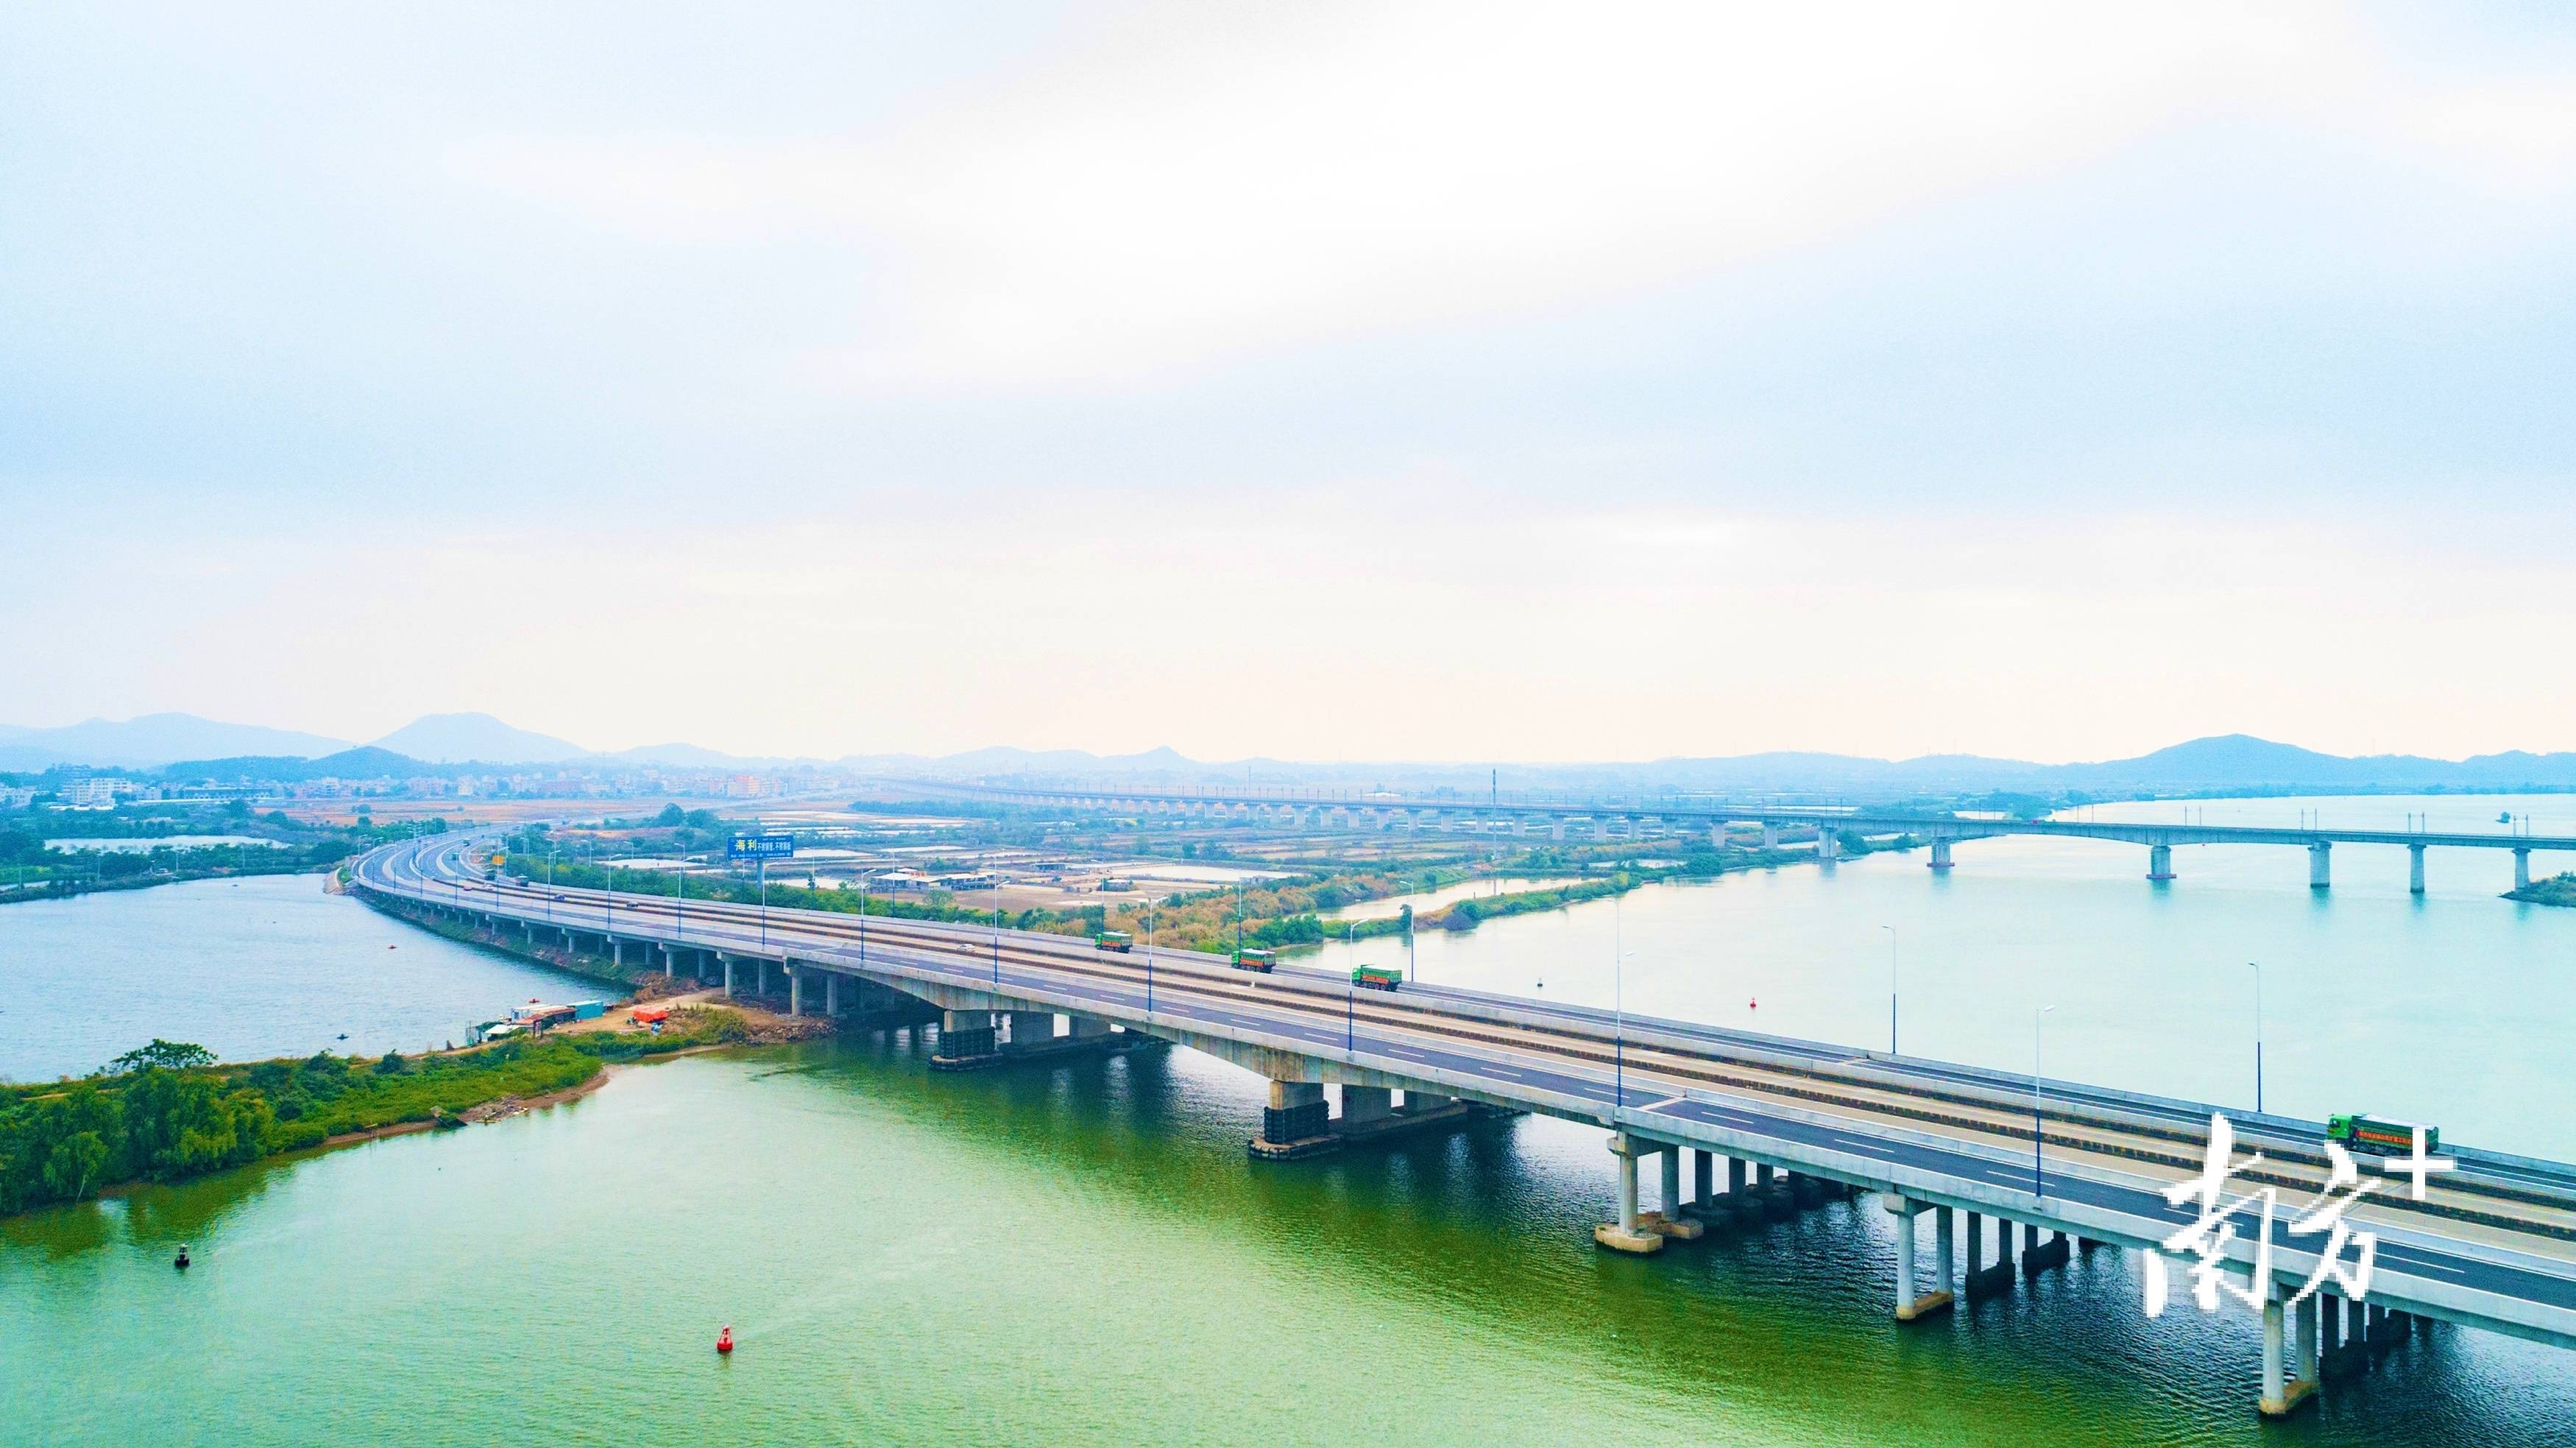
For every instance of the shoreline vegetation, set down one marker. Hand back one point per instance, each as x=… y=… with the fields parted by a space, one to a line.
x=32 y=868
x=2556 y=890
x=1273 y=914
x=168 y=1111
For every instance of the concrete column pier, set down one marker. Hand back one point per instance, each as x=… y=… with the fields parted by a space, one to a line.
x=1296 y=1123
x=2044 y=1250
x=1703 y=1183
x=795 y=991
x=1985 y=1280
x=831 y=993
x=1418 y=1102
x=1365 y=1105
x=1667 y=1218
x=1085 y=1028
x=1940 y=855
x=1717 y=837
x=2414 y=869
x=2275 y=1401
x=964 y=1036
x=2160 y=862
x=1945 y=1248
x=1829 y=846
x=1627 y=1234
x=2522 y=869
x=1031 y=1028
x=2321 y=865
x=762 y=989
x=727 y=962
x=670 y=958
x=1910 y=1303
x=1770 y=835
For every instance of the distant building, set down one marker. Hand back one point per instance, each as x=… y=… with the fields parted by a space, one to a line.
x=16 y=798
x=97 y=791
x=746 y=786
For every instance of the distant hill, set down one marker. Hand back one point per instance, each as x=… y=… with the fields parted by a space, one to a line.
x=150 y=740
x=441 y=743
x=365 y=762
x=458 y=738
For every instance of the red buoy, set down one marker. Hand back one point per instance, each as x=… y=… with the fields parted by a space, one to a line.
x=724 y=1339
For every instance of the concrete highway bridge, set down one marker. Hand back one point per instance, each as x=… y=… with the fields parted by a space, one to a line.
x=1966 y=1160
x=1600 y=820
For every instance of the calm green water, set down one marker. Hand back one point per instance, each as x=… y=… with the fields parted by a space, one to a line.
x=1083 y=1255
x=268 y=966
x=1074 y=1256
x=2454 y=1009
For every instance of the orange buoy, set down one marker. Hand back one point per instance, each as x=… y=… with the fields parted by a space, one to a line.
x=724 y=1339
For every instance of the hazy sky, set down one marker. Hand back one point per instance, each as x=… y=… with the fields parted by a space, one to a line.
x=1301 y=379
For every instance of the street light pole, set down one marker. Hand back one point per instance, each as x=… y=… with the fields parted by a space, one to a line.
x=1891 y=988
x=1149 y=955
x=1618 y=1009
x=2038 y=1131
x=1350 y=992
x=2258 y=1035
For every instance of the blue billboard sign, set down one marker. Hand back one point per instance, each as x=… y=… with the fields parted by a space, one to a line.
x=760 y=847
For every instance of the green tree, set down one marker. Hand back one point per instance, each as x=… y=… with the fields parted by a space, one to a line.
x=72 y=1168
x=169 y=1055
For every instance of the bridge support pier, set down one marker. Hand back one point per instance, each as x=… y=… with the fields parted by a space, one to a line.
x=1829 y=845
x=1985 y=1280
x=795 y=991
x=1031 y=1030
x=761 y=991
x=670 y=960
x=831 y=993
x=1770 y=835
x=2522 y=869
x=2160 y=862
x=965 y=1038
x=1911 y=1304
x=1940 y=855
x=2414 y=869
x=2041 y=1251
x=1295 y=1124
x=1627 y=1234
x=2283 y=1393
x=1667 y=1219
x=727 y=962
x=2320 y=865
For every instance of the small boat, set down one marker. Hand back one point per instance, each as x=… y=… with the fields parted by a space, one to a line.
x=2505 y=818
x=181 y=1261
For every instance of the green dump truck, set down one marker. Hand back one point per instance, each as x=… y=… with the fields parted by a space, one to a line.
x=2364 y=1132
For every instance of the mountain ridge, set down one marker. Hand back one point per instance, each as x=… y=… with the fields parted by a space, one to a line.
x=436 y=742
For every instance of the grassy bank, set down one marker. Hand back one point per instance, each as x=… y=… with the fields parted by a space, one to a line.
x=168 y=1112
x=2556 y=890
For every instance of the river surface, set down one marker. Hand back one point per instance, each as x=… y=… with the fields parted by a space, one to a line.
x=1077 y=1256
x=2453 y=1009
x=265 y=966
x=1083 y=1255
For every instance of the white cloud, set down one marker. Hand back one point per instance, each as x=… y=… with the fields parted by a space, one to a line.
x=1199 y=185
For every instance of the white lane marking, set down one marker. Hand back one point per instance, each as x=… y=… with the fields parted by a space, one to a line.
x=1667 y=1101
